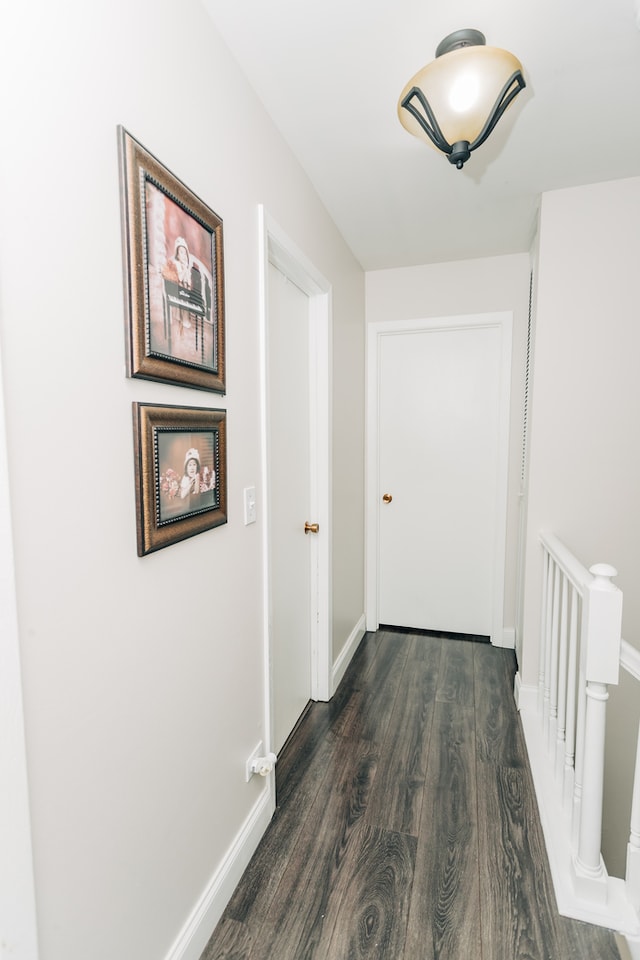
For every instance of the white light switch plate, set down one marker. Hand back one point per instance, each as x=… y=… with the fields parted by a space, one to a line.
x=249 y=505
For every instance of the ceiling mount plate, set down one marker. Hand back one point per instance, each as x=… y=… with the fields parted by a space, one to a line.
x=460 y=38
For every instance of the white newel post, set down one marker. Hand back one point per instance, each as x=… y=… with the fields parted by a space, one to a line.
x=602 y=621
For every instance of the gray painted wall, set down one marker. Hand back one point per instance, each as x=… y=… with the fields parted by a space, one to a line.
x=143 y=678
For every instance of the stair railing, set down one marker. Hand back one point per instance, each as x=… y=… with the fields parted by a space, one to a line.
x=564 y=724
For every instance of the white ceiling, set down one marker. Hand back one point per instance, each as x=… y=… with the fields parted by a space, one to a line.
x=330 y=75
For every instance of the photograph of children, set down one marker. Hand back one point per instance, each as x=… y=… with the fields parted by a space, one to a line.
x=182 y=321
x=188 y=469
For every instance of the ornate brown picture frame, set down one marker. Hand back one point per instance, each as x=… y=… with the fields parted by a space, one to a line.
x=181 y=472
x=173 y=275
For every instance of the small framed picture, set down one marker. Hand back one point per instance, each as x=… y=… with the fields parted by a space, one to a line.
x=174 y=276
x=180 y=469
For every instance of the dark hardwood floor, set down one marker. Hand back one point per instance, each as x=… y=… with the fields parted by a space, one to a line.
x=406 y=826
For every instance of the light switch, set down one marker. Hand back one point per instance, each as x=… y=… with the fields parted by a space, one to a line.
x=249 y=505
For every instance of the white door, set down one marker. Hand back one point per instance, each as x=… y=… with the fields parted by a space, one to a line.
x=442 y=463
x=289 y=501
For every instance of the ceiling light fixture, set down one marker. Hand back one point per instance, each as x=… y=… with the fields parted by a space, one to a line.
x=467 y=88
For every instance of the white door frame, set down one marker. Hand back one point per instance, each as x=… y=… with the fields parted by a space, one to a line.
x=18 y=929
x=375 y=333
x=276 y=248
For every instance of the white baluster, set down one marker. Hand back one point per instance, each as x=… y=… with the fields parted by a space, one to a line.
x=553 y=683
x=543 y=630
x=570 y=737
x=579 y=764
x=633 y=847
x=549 y=645
x=562 y=683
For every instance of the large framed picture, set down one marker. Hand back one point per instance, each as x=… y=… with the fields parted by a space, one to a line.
x=181 y=472
x=174 y=276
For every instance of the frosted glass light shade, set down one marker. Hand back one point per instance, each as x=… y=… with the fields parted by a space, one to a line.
x=466 y=92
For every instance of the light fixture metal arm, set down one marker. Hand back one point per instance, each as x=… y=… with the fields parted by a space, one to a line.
x=428 y=123
x=511 y=89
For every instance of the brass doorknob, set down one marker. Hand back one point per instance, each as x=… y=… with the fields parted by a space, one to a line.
x=311 y=527
x=386 y=498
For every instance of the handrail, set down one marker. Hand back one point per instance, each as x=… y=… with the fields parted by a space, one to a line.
x=630 y=659
x=578 y=575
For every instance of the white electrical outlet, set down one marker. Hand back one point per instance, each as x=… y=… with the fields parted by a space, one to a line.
x=248 y=773
x=249 y=505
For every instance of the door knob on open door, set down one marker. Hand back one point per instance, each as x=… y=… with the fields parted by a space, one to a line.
x=386 y=498
x=311 y=527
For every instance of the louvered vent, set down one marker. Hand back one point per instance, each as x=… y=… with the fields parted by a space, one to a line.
x=523 y=466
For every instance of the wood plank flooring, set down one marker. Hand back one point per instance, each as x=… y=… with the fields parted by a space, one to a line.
x=406 y=825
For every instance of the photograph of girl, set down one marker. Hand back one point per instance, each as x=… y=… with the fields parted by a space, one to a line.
x=188 y=469
x=180 y=282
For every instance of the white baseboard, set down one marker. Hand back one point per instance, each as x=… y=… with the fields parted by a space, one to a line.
x=507 y=640
x=525 y=695
x=344 y=657
x=628 y=948
x=196 y=932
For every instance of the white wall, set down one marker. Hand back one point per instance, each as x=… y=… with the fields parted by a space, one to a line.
x=142 y=677
x=584 y=461
x=584 y=454
x=468 y=287
x=18 y=932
